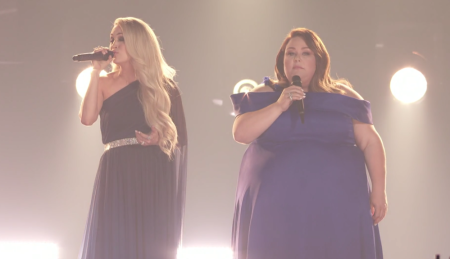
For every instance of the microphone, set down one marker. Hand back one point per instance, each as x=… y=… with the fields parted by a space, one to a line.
x=299 y=103
x=93 y=56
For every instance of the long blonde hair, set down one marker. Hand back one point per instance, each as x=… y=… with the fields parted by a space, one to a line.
x=155 y=77
x=321 y=81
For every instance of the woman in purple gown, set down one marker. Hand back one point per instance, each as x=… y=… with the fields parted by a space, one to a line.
x=302 y=191
x=138 y=199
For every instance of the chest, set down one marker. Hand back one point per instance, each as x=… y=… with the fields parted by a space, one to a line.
x=324 y=126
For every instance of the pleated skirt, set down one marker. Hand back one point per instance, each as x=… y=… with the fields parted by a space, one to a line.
x=133 y=208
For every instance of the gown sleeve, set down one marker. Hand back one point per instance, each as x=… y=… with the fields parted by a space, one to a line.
x=179 y=159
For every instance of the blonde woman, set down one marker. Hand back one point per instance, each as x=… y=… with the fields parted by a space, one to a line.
x=138 y=197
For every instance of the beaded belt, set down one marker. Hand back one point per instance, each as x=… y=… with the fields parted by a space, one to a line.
x=121 y=142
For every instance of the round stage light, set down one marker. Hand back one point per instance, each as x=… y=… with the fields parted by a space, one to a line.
x=244 y=86
x=83 y=80
x=408 y=85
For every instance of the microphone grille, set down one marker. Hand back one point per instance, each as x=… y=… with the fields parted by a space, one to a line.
x=296 y=80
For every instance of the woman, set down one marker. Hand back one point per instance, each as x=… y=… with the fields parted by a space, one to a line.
x=138 y=198
x=302 y=190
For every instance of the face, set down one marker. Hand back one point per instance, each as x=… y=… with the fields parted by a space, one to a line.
x=299 y=60
x=117 y=45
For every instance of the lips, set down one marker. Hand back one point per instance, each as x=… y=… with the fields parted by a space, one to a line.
x=298 y=67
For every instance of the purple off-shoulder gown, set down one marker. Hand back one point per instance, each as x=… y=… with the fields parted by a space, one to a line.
x=138 y=199
x=303 y=191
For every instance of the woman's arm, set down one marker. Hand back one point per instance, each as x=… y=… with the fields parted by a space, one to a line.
x=249 y=126
x=93 y=99
x=368 y=140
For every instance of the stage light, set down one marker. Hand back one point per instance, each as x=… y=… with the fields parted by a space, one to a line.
x=83 y=80
x=408 y=85
x=205 y=253
x=28 y=250
x=218 y=102
x=244 y=86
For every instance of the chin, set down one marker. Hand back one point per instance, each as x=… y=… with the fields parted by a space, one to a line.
x=117 y=61
x=120 y=61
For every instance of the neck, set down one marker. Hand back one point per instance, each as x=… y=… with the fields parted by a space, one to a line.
x=306 y=86
x=127 y=72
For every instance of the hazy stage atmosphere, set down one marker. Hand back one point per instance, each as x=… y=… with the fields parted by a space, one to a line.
x=49 y=160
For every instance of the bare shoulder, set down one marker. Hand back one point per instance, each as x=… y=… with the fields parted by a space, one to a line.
x=348 y=91
x=104 y=83
x=262 y=88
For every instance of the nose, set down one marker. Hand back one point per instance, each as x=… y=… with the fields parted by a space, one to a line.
x=113 y=45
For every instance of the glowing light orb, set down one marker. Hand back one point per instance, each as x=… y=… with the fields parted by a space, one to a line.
x=408 y=85
x=83 y=80
x=244 y=86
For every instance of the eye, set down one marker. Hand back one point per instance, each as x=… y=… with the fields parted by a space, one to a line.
x=290 y=54
x=121 y=39
x=111 y=41
x=306 y=53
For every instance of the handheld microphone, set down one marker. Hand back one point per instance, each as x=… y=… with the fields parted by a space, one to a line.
x=93 y=56
x=299 y=103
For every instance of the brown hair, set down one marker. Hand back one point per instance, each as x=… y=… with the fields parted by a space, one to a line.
x=321 y=81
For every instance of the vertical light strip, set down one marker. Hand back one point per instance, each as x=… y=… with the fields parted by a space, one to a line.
x=28 y=250
x=205 y=253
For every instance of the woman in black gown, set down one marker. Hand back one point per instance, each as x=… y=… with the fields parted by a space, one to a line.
x=138 y=198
